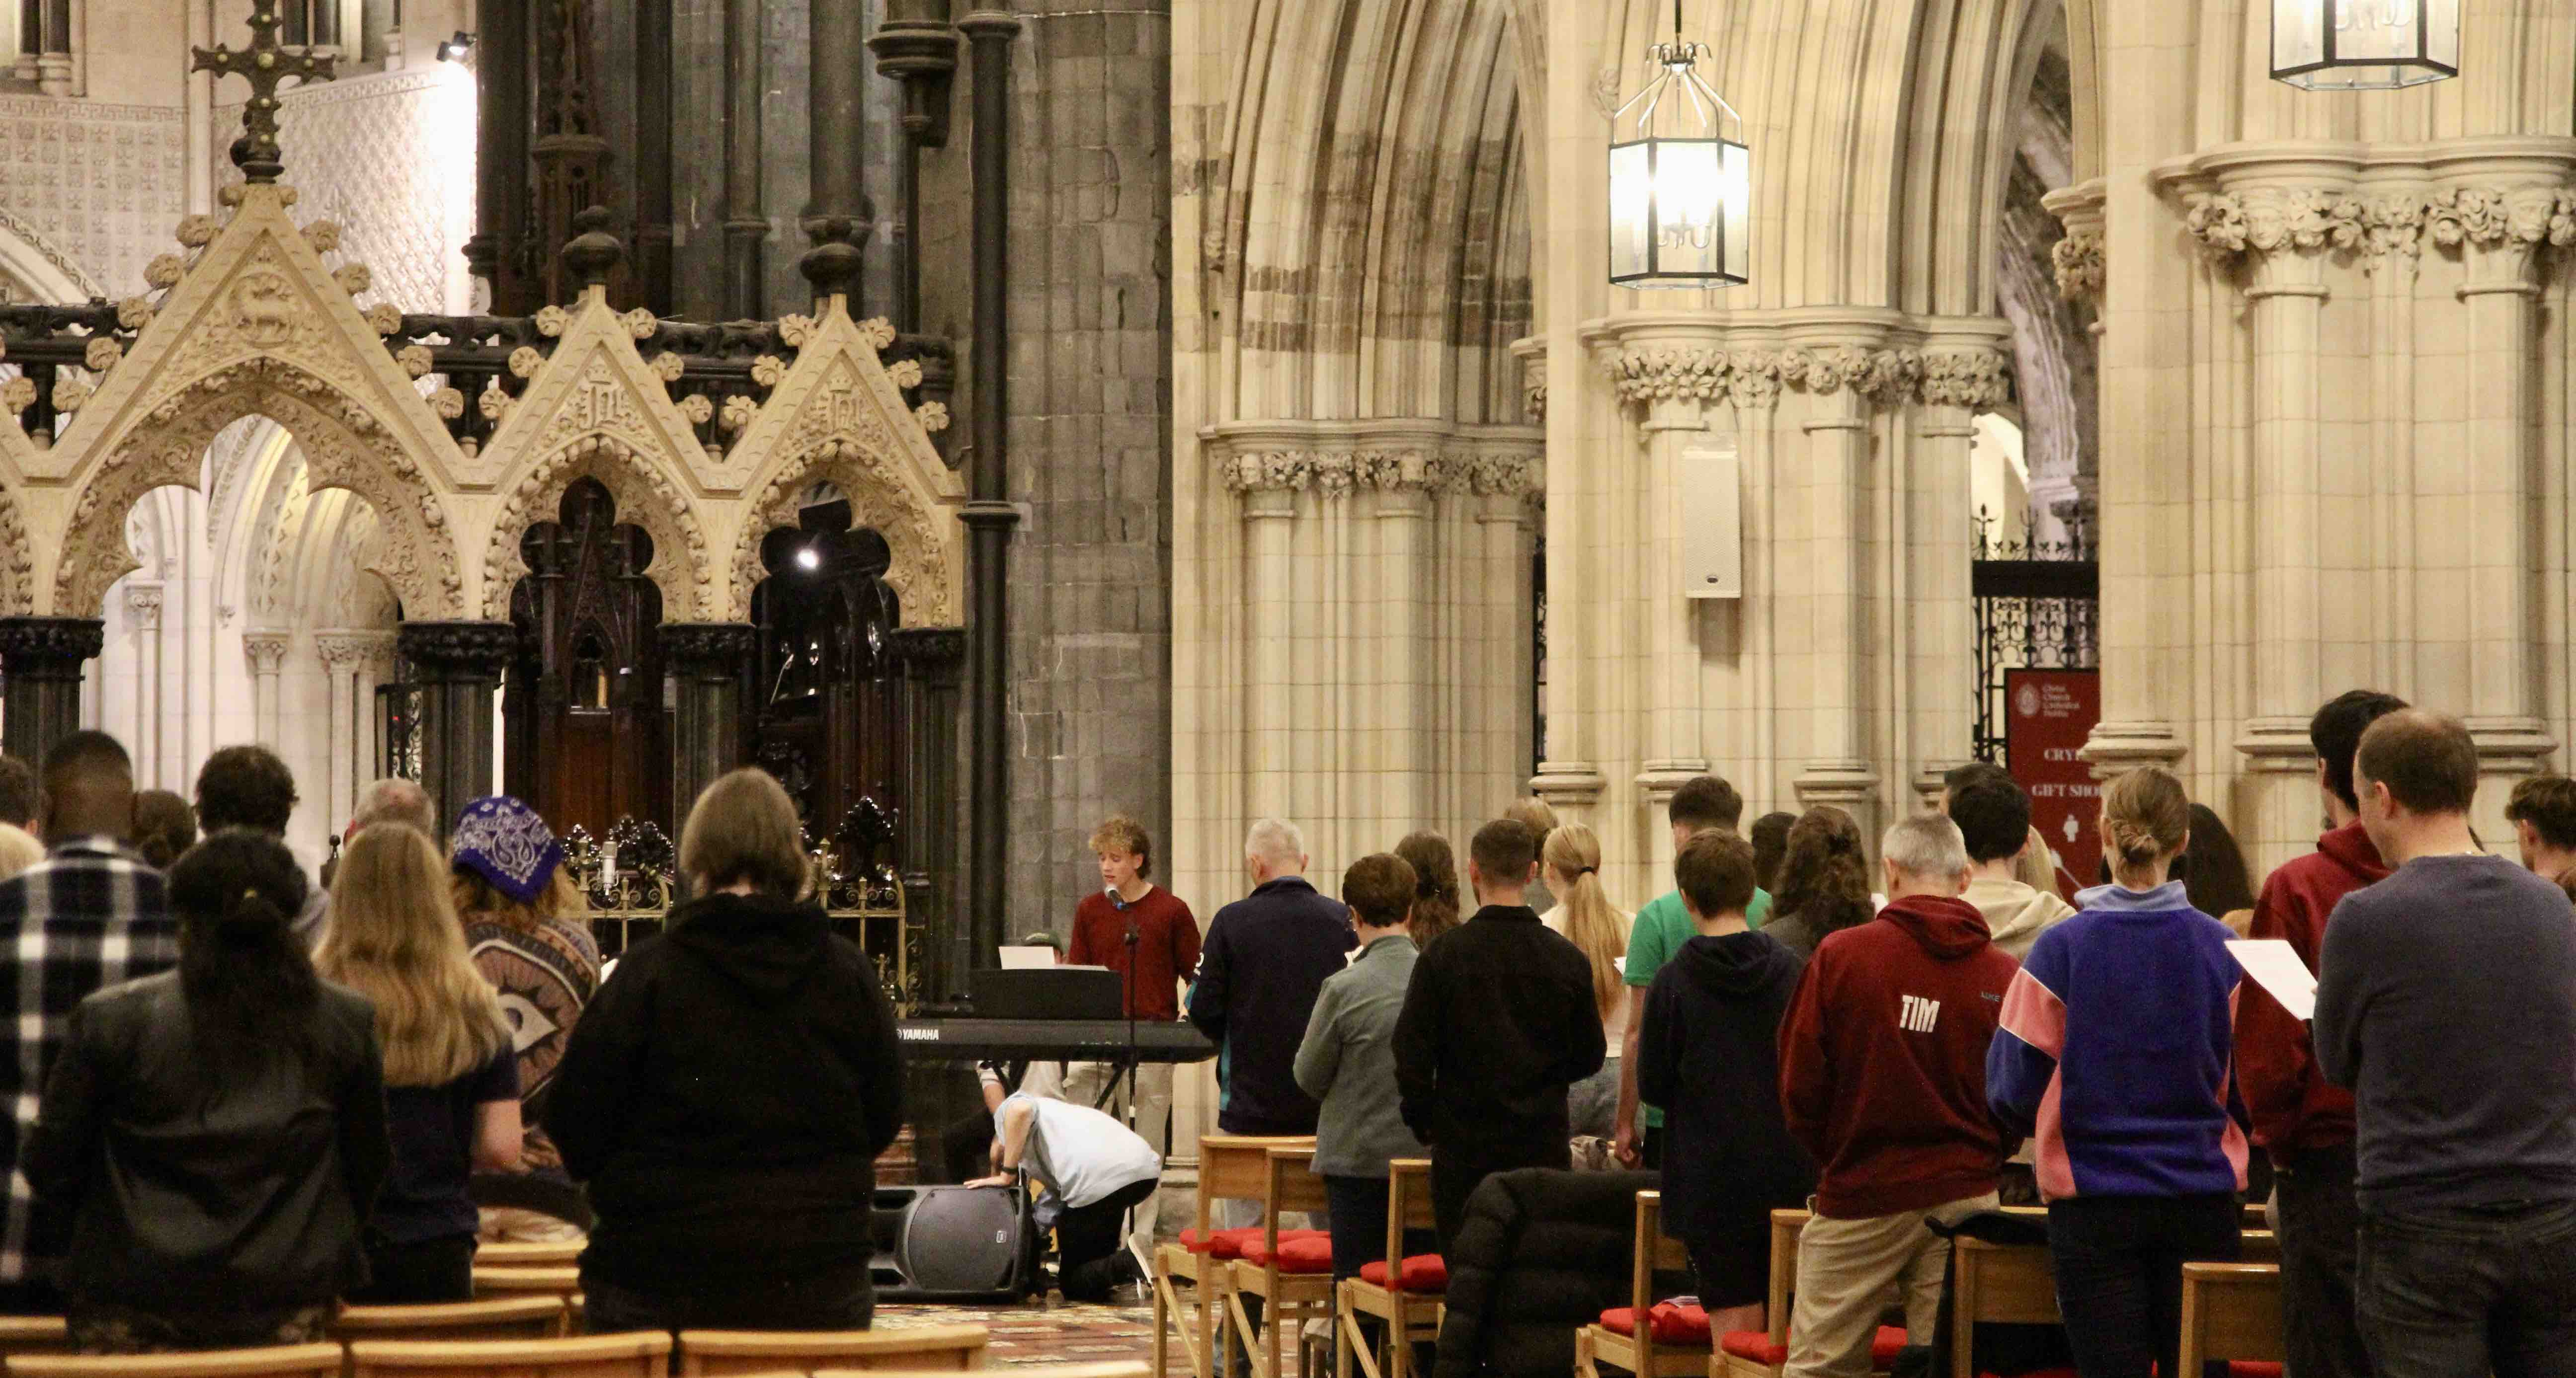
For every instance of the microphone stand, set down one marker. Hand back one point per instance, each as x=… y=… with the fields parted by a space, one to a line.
x=1134 y=938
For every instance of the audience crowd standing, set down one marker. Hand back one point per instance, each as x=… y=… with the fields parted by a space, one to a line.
x=1570 y=865
x=1263 y=965
x=1347 y=1061
x=1823 y=879
x=248 y=787
x=1701 y=804
x=1435 y=885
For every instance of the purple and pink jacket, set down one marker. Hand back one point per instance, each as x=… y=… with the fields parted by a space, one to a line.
x=2116 y=1055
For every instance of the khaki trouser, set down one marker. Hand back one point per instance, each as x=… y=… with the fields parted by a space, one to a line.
x=1845 y=1268
x=1082 y=1086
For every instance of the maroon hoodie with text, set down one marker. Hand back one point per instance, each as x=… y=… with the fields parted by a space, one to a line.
x=1883 y=1059
x=2295 y=1109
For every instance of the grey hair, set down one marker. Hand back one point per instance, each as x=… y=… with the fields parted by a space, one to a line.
x=397 y=800
x=1274 y=840
x=1926 y=846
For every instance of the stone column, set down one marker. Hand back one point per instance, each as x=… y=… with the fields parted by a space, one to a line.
x=1838 y=768
x=501 y=169
x=266 y=651
x=1933 y=611
x=341 y=653
x=458 y=665
x=706 y=661
x=1407 y=670
x=1506 y=488
x=40 y=680
x=375 y=663
x=31 y=40
x=1672 y=623
x=745 y=227
x=1268 y=485
x=54 y=66
x=143 y=619
x=934 y=661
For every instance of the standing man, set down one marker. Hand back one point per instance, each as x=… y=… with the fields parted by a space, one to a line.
x=1993 y=814
x=2302 y=1121
x=1702 y=803
x=248 y=787
x=1266 y=958
x=2447 y=1003
x=1883 y=1080
x=89 y=916
x=1498 y=1021
x=1145 y=934
x=2543 y=814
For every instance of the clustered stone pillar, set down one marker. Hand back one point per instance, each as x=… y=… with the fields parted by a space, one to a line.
x=40 y=680
x=143 y=619
x=340 y=653
x=707 y=661
x=458 y=665
x=266 y=651
x=934 y=662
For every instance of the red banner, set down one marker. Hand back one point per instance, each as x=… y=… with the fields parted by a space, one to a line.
x=2048 y=716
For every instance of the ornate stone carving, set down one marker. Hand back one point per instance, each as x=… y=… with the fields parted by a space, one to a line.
x=17 y=560
x=38 y=643
x=2276 y=220
x=1972 y=378
x=342 y=652
x=2490 y=217
x=2080 y=267
x=1752 y=377
x=452 y=649
x=933 y=651
x=645 y=495
x=710 y=648
x=2393 y=227
x=266 y=650
x=143 y=606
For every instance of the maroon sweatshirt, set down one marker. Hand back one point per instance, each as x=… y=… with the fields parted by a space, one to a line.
x=2295 y=1110
x=1883 y=1059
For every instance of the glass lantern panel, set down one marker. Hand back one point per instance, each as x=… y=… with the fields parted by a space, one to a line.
x=1688 y=193
x=1632 y=196
x=1736 y=191
x=2378 y=30
x=2442 y=34
x=2298 y=34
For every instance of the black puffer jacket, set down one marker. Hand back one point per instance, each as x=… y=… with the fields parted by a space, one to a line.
x=1542 y=1254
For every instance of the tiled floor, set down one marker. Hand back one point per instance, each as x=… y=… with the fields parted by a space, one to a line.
x=1061 y=1333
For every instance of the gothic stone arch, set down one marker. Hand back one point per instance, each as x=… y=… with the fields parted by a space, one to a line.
x=645 y=497
x=345 y=446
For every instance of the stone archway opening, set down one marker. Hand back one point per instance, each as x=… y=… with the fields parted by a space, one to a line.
x=828 y=709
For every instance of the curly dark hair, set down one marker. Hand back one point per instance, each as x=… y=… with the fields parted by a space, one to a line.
x=245 y=787
x=1825 y=876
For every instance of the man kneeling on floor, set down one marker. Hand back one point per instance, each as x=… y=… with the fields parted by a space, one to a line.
x=1090 y=1170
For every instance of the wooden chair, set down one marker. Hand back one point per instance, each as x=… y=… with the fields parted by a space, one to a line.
x=530 y=1317
x=280 y=1361
x=1127 y=1368
x=2261 y=1246
x=643 y=1355
x=532 y=1255
x=34 y=1335
x=1409 y=1308
x=561 y=1281
x=1778 y=1297
x=1231 y=1168
x=1996 y=1284
x=1292 y=1290
x=720 y=1353
x=2230 y=1311
x=1637 y=1351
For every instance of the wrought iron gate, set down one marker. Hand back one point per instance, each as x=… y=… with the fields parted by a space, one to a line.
x=2037 y=608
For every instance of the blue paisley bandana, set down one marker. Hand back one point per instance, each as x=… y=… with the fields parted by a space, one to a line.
x=506 y=843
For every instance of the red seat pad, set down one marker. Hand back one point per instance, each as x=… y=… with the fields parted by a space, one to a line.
x=1667 y=1323
x=2037 y=1373
x=1229 y=1243
x=1756 y=1345
x=2252 y=1368
x=1422 y=1273
x=1300 y=1251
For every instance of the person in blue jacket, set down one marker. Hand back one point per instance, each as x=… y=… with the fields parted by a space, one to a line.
x=2115 y=1054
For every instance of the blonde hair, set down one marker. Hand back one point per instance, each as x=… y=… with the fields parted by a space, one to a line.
x=394 y=939
x=19 y=850
x=477 y=899
x=1591 y=924
x=2036 y=867
x=2145 y=815
x=1533 y=813
x=743 y=829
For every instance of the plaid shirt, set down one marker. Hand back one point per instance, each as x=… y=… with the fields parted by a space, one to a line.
x=89 y=916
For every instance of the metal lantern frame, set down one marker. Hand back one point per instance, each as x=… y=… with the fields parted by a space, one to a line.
x=2319 y=25
x=1638 y=253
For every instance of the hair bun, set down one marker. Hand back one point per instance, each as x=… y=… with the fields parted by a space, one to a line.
x=249 y=918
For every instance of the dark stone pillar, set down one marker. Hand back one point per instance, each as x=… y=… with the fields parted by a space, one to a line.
x=706 y=660
x=457 y=666
x=501 y=167
x=745 y=225
x=40 y=680
x=989 y=514
x=919 y=50
x=653 y=217
x=934 y=661
x=837 y=125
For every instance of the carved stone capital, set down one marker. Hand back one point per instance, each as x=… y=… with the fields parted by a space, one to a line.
x=143 y=606
x=49 y=646
x=708 y=650
x=2081 y=271
x=937 y=654
x=458 y=650
x=1976 y=379
x=342 y=651
x=266 y=650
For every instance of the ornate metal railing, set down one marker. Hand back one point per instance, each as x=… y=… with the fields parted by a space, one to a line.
x=2037 y=608
x=630 y=881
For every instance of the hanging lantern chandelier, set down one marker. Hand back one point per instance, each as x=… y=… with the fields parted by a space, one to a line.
x=1680 y=191
x=2364 y=45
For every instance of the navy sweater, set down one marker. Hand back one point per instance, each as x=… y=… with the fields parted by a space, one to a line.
x=1263 y=964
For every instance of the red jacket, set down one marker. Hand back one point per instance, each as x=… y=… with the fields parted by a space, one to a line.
x=1883 y=1059
x=2294 y=1110
x=1167 y=946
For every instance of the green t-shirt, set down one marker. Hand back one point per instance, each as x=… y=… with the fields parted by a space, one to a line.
x=1659 y=931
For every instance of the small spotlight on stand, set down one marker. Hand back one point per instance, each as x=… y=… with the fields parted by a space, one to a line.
x=457 y=48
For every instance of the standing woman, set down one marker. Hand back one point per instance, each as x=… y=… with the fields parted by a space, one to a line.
x=451 y=1077
x=2115 y=1055
x=216 y=1133
x=1824 y=882
x=1571 y=861
x=525 y=929
x=727 y=1095
x=1435 y=885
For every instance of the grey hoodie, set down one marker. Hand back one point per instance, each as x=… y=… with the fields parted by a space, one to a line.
x=2016 y=913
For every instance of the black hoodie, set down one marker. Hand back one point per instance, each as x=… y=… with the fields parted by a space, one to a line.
x=1710 y=1055
x=725 y=1096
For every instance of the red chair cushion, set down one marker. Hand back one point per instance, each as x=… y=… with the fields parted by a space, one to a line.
x=2037 y=1373
x=1300 y=1251
x=1229 y=1243
x=1756 y=1346
x=2252 y=1368
x=1421 y=1273
x=1667 y=1323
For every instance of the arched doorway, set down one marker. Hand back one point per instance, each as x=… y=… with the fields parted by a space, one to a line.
x=827 y=688
x=586 y=727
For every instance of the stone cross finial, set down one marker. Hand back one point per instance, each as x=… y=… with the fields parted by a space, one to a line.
x=265 y=63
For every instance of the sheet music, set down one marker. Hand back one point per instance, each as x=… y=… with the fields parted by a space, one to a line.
x=2275 y=966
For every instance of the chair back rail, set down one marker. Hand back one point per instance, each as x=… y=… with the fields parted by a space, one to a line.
x=643 y=1355
x=1118 y=1369
x=533 y=1316
x=723 y=1353
x=2231 y=1311
x=278 y=1361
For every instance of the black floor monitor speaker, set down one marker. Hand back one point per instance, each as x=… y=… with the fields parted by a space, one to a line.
x=953 y=1244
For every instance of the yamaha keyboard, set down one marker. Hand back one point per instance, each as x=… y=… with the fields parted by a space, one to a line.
x=1046 y=1040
